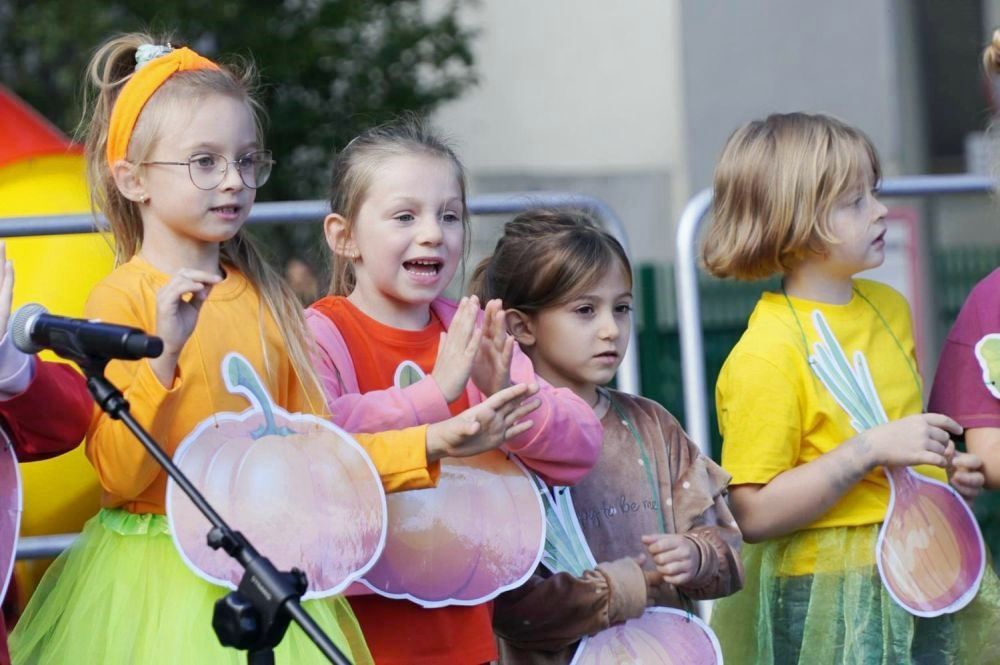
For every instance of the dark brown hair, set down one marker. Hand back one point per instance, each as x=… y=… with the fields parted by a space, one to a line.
x=545 y=258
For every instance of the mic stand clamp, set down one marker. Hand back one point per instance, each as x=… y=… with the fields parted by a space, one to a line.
x=255 y=617
x=250 y=618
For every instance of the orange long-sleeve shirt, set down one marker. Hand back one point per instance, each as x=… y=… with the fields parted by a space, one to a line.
x=232 y=319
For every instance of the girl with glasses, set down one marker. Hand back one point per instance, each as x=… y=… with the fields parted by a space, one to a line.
x=174 y=160
x=208 y=169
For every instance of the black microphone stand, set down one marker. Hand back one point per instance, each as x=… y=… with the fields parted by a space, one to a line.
x=255 y=616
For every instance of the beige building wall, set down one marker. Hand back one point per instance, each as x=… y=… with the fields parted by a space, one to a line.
x=579 y=95
x=631 y=101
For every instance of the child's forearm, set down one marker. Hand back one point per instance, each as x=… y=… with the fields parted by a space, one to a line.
x=984 y=442
x=50 y=416
x=565 y=439
x=400 y=458
x=801 y=495
x=122 y=463
x=376 y=410
x=551 y=613
x=721 y=570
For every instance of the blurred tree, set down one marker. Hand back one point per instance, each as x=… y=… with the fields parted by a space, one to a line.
x=328 y=68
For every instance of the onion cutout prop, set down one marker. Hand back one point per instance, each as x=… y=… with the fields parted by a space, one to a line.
x=477 y=534
x=10 y=508
x=930 y=551
x=301 y=490
x=661 y=636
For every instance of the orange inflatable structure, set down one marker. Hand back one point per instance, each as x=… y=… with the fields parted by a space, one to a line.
x=42 y=173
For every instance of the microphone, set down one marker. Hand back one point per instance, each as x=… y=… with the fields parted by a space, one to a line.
x=32 y=329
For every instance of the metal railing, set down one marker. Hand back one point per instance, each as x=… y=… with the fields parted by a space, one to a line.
x=688 y=302
x=302 y=212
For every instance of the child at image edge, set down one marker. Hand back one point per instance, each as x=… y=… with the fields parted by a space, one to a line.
x=965 y=385
x=796 y=194
x=29 y=389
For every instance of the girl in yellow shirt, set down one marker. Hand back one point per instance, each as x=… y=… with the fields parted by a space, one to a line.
x=796 y=194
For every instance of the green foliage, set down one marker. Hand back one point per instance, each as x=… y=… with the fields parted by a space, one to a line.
x=328 y=68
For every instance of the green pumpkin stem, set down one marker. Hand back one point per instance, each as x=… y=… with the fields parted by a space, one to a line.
x=241 y=374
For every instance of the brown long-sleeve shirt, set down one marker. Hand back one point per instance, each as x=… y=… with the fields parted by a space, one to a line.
x=541 y=622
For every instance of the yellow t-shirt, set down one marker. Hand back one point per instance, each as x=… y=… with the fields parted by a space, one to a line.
x=775 y=414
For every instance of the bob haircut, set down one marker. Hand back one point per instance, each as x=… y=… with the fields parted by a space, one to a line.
x=776 y=184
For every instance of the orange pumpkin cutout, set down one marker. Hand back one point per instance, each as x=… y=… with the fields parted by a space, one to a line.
x=300 y=488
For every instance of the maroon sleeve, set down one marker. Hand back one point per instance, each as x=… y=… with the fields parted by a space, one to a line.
x=960 y=390
x=51 y=416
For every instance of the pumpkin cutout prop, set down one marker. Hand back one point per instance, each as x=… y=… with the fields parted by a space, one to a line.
x=301 y=490
x=930 y=552
x=477 y=534
x=10 y=508
x=661 y=636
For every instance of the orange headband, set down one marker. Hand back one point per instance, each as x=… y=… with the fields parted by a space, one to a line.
x=137 y=91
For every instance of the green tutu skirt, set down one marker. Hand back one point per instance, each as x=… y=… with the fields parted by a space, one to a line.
x=122 y=595
x=816 y=597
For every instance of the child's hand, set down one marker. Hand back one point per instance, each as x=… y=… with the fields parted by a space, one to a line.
x=654 y=579
x=176 y=317
x=919 y=439
x=965 y=473
x=484 y=426
x=676 y=558
x=457 y=350
x=491 y=370
x=6 y=288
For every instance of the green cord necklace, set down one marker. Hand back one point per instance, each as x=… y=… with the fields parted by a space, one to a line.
x=645 y=462
x=885 y=324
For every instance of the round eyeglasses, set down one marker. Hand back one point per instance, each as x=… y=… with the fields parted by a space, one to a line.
x=209 y=169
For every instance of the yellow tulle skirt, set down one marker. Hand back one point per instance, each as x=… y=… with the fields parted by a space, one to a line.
x=122 y=595
x=815 y=597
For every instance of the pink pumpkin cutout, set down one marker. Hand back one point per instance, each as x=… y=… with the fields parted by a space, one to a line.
x=10 y=509
x=661 y=636
x=301 y=490
x=478 y=533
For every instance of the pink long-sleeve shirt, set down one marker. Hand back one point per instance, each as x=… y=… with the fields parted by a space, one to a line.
x=562 y=445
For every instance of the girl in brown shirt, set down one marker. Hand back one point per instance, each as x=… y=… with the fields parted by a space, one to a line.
x=653 y=509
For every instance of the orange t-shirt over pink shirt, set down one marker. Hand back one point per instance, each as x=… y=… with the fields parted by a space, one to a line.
x=400 y=632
